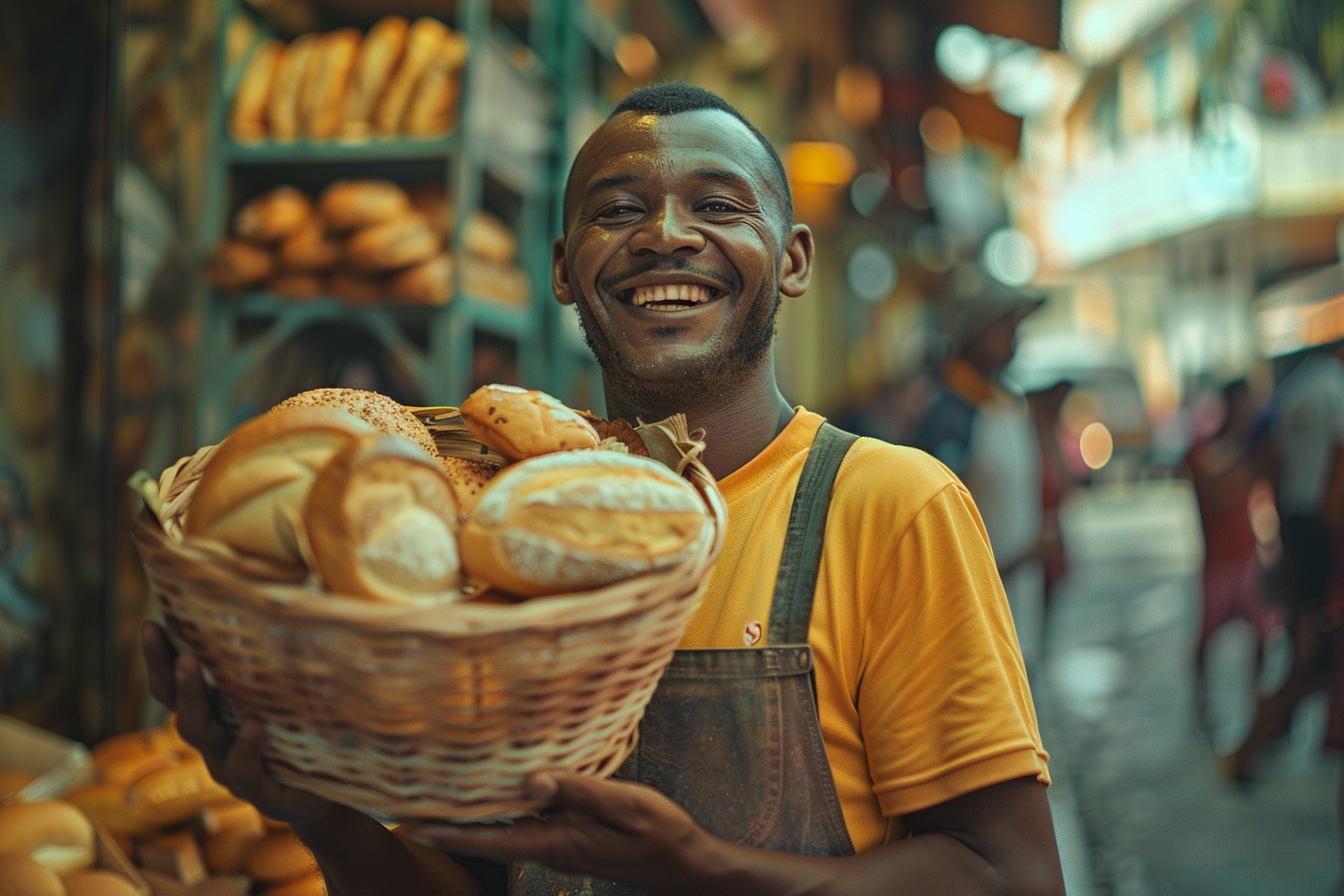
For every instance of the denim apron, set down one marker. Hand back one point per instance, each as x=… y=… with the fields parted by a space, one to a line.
x=732 y=735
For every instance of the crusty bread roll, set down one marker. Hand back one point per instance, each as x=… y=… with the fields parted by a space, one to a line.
x=296 y=285
x=273 y=216
x=468 y=479
x=503 y=283
x=247 y=116
x=339 y=49
x=379 y=53
x=360 y=289
x=581 y=519
x=430 y=199
x=50 y=832
x=99 y=882
x=351 y=204
x=175 y=793
x=382 y=413
x=230 y=813
x=309 y=249
x=309 y=885
x=403 y=241
x=251 y=492
x=21 y=876
x=427 y=283
x=280 y=857
x=238 y=264
x=424 y=42
x=520 y=423
x=225 y=850
x=489 y=239
x=284 y=105
x=382 y=522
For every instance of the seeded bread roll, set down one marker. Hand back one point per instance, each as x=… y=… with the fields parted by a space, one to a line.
x=468 y=479
x=238 y=264
x=379 y=53
x=339 y=49
x=351 y=204
x=50 y=832
x=273 y=216
x=578 y=520
x=382 y=522
x=394 y=244
x=251 y=492
x=309 y=249
x=521 y=423
x=247 y=117
x=382 y=413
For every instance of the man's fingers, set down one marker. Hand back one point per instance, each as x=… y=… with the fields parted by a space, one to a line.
x=195 y=720
x=159 y=658
x=620 y=804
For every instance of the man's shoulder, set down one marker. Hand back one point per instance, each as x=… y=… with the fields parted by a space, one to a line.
x=878 y=470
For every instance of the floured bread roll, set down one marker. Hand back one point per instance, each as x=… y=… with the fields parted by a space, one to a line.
x=382 y=523
x=374 y=408
x=468 y=479
x=581 y=519
x=252 y=490
x=522 y=423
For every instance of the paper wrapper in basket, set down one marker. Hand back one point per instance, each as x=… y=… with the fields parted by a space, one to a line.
x=426 y=713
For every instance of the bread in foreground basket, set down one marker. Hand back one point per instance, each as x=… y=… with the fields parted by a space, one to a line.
x=374 y=408
x=522 y=423
x=382 y=523
x=576 y=520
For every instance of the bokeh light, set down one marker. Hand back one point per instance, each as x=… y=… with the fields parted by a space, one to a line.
x=1096 y=445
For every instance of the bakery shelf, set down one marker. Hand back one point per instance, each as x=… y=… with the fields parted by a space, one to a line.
x=304 y=151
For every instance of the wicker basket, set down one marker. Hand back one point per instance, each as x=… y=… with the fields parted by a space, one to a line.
x=422 y=713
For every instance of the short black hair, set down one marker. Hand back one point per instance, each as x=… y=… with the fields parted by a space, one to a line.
x=674 y=97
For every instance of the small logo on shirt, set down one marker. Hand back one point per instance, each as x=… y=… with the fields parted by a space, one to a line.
x=751 y=635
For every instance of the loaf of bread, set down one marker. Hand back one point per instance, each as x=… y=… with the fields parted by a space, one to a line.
x=430 y=199
x=50 y=832
x=239 y=264
x=176 y=792
x=308 y=250
x=424 y=42
x=382 y=522
x=379 y=411
x=427 y=283
x=225 y=850
x=351 y=204
x=273 y=216
x=378 y=55
x=468 y=479
x=398 y=243
x=506 y=284
x=432 y=107
x=334 y=63
x=489 y=239
x=521 y=423
x=617 y=429
x=284 y=105
x=308 y=885
x=247 y=116
x=296 y=286
x=252 y=490
x=13 y=779
x=577 y=520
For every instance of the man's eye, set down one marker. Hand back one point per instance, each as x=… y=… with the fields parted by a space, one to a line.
x=617 y=211
x=718 y=207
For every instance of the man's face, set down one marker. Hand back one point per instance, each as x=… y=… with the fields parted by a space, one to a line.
x=676 y=251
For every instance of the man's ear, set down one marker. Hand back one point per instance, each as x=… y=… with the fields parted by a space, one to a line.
x=560 y=273
x=796 y=272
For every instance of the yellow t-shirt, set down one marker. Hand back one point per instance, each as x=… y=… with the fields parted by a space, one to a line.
x=920 y=686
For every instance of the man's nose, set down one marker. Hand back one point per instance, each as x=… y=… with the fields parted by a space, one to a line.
x=671 y=228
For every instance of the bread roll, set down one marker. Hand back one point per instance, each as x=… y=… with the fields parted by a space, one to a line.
x=382 y=523
x=231 y=813
x=238 y=264
x=283 y=106
x=273 y=216
x=309 y=249
x=50 y=832
x=296 y=286
x=126 y=758
x=99 y=882
x=311 y=885
x=503 y=283
x=520 y=423
x=424 y=42
x=379 y=52
x=398 y=243
x=339 y=49
x=430 y=199
x=488 y=238
x=455 y=47
x=225 y=850
x=618 y=429
x=351 y=204
x=359 y=289
x=175 y=793
x=427 y=283
x=251 y=492
x=280 y=857
x=432 y=107
x=105 y=803
x=581 y=519
x=468 y=479
x=247 y=117
x=21 y=876
x=377 y=410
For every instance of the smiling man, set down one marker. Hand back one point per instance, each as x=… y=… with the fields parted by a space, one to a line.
x=848 y=713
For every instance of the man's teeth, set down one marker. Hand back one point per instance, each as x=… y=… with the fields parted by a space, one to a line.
x=678 y=294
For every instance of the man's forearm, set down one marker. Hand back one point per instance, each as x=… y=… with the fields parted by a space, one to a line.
x=360 y=857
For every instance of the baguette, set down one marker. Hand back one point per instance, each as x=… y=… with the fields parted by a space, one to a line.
x=336 y=60
x=379 y=52
x=283 y=104
x=424 y=41
x=247 y=117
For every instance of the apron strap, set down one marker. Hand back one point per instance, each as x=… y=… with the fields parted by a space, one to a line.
x=796 y=583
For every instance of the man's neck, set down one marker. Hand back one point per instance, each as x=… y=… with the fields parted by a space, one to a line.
x=738 y=423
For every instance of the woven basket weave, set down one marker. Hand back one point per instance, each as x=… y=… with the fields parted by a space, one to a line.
x=422 y=713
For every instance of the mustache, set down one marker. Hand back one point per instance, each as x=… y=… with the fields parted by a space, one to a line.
x=662 y=266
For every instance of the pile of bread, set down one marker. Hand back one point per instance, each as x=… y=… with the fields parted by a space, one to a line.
x=367 y=241
x=346 y=490
x=401 y=78
x=152 y=796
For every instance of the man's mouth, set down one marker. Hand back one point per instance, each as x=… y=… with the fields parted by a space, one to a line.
x=669 y=297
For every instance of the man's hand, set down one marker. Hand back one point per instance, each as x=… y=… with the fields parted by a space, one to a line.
x=603 y=828
x=234 y=762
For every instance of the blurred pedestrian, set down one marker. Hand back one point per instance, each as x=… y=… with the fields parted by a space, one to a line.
x=984 y=434
x=1045 y=399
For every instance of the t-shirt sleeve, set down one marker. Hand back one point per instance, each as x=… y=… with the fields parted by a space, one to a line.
x=943 y=701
